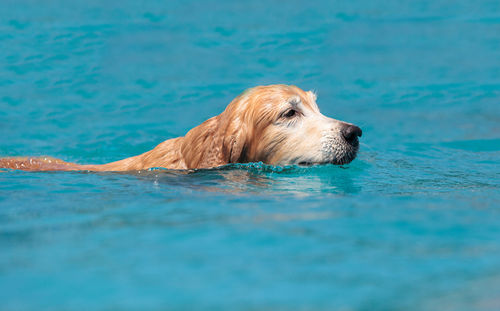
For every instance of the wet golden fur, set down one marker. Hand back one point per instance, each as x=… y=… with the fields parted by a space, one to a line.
x=250 y=129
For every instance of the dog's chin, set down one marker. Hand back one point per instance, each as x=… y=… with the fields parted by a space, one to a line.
x=345 y=157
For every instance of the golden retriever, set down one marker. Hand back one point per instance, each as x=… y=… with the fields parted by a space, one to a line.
x=275 y=124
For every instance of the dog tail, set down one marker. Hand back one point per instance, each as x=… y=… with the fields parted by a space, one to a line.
x=41 y=164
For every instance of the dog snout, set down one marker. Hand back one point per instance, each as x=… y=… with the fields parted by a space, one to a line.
x=351 y=133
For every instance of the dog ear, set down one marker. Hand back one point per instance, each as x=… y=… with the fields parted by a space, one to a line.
x=217 y=141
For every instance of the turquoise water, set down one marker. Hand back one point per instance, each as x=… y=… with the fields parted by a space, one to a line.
x=411 y=224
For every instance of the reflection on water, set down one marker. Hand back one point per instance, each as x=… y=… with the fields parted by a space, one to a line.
x=260 y=178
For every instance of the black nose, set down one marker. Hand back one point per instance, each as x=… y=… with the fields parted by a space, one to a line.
x=351 y=133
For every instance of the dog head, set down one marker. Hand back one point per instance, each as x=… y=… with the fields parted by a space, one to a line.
x=275 y=124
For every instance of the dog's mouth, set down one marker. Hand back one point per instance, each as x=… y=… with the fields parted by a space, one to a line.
x=344 y=155
x=348 y=158
x=345 y=159
x=348 y=154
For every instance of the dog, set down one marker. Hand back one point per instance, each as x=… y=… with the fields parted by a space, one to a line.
x=275 y=124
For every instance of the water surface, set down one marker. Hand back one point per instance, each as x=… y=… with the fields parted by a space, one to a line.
x=411 y=224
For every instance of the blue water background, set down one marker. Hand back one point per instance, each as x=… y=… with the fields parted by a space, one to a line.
x=412 y=224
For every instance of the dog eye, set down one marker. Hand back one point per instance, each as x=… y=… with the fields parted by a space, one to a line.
x=290 y=113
